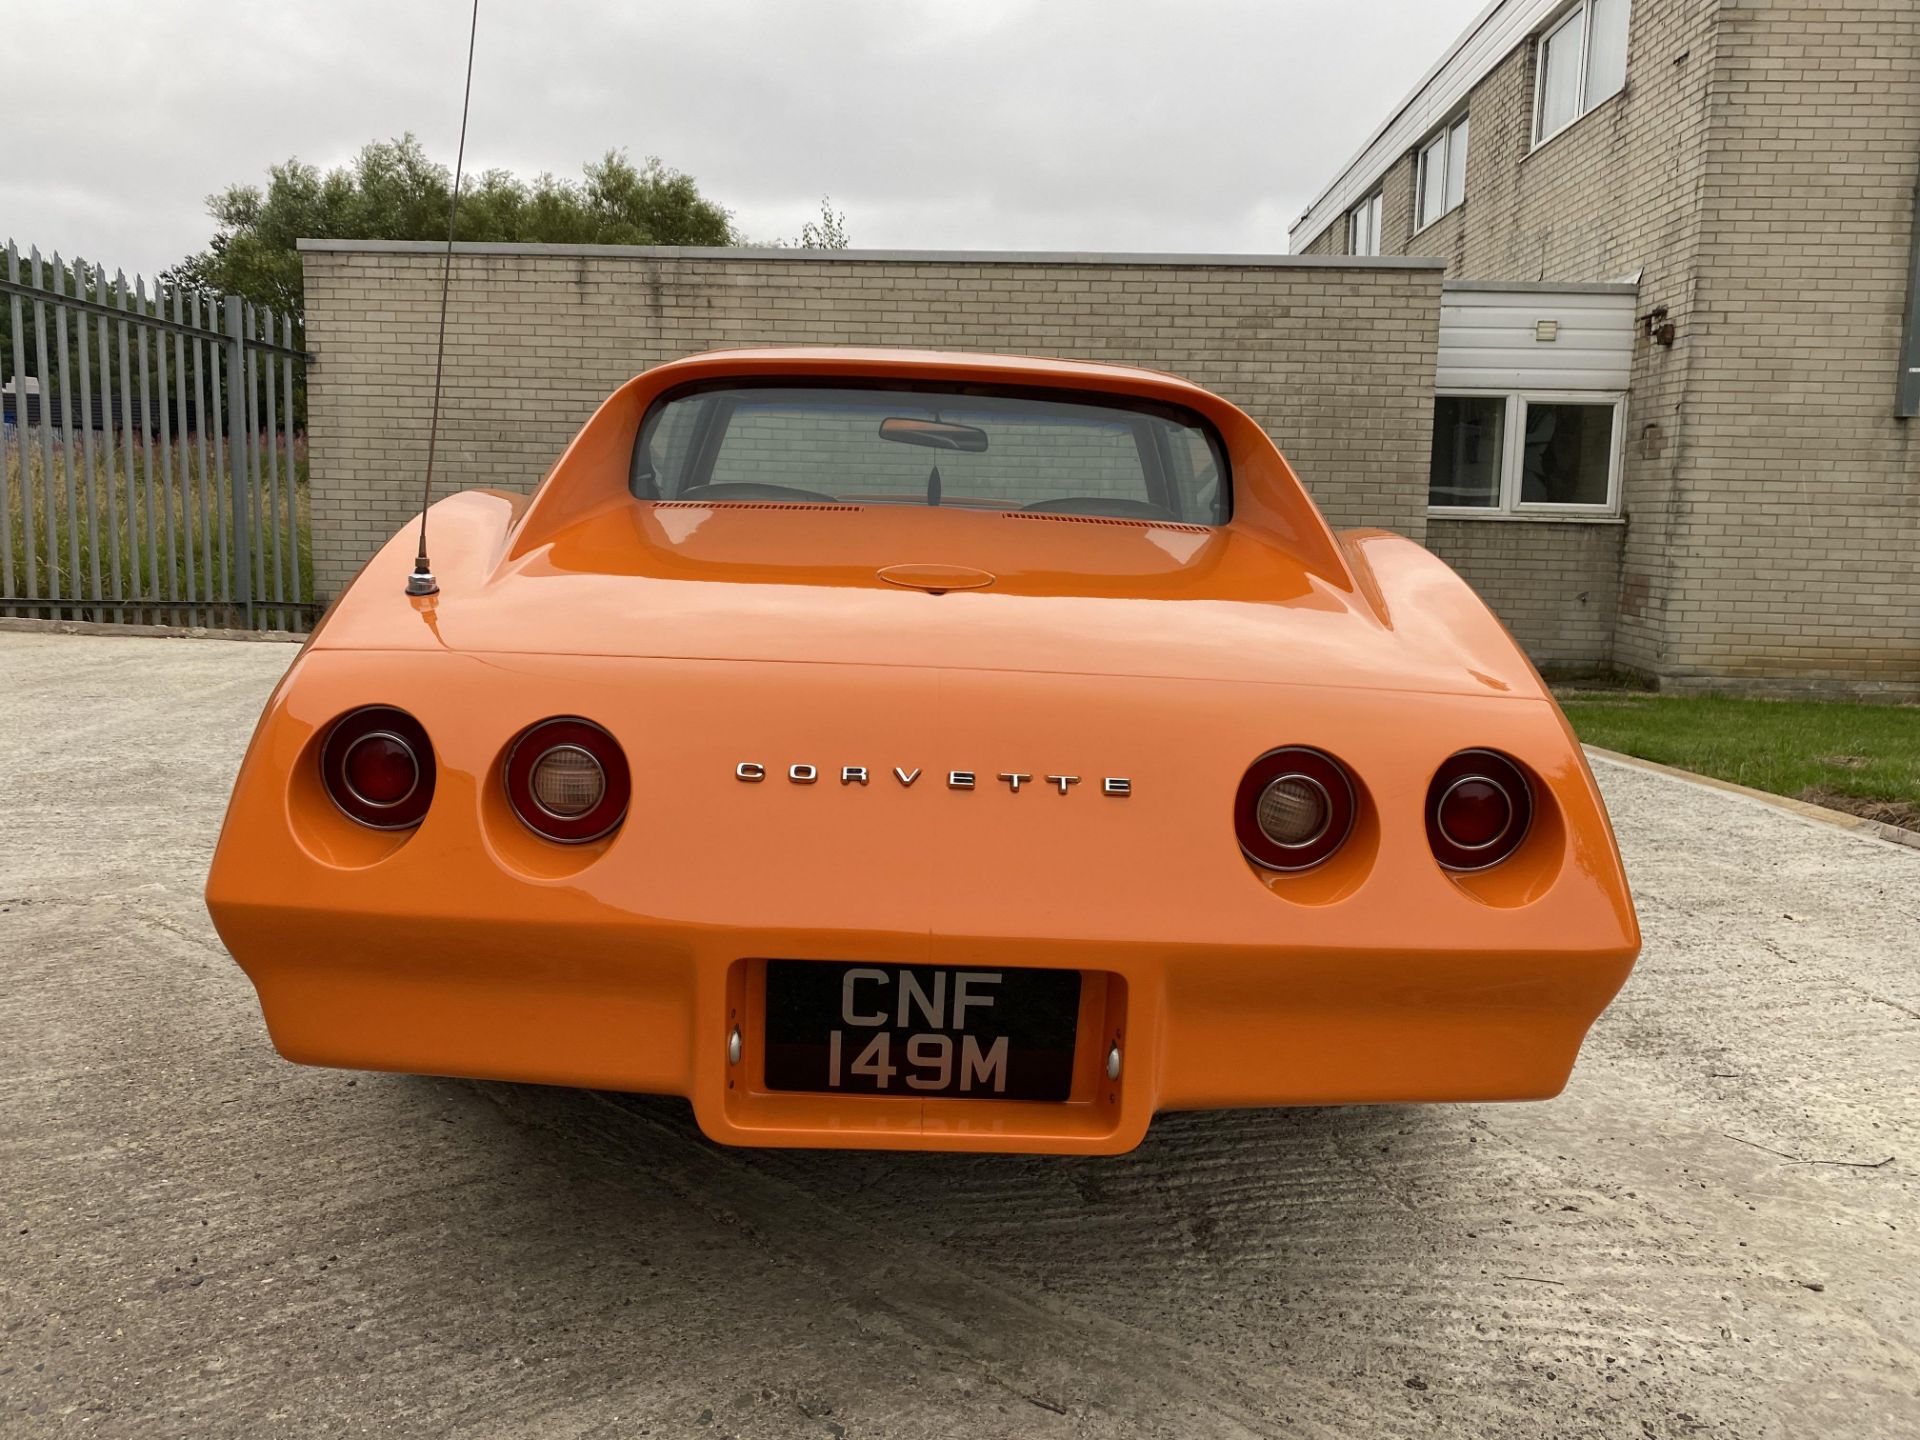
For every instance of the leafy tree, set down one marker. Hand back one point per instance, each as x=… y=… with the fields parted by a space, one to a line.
x=829 y=232
x=394 y=191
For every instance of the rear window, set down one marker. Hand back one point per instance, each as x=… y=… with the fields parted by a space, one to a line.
x=970 y=449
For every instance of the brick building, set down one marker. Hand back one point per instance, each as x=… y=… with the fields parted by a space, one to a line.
x=1745 y=507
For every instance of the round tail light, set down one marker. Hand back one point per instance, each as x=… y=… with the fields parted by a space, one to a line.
x=1295 y=807
x=567 y=780
x=1479 y=808
x=377 y=766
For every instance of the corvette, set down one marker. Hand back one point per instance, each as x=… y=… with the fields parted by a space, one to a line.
x=921 y=750
x=804 y=773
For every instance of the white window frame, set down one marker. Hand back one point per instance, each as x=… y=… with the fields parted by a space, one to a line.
x=1584 y=104
x=1374 y=209
x=1512 y=454
x=1438 y=142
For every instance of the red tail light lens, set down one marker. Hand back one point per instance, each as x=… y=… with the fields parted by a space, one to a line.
x=377 y=766
x=1295 y=807
x=567 y=780
x=380 y=770
x=1479 y=808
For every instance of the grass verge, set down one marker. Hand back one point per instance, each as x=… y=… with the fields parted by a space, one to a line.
x=1863 y=759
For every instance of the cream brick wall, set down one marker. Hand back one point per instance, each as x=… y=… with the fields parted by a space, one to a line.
x=1336 y=361
x=1758 y=172
x=1556 y=585
x=1614 y=195
x=1330 y=241
x=1796 y=553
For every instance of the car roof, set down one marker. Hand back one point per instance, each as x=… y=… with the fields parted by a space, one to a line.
x=891 y=362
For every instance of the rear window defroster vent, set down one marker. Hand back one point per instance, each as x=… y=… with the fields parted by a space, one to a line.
x=1112 y=520
x=748 y=505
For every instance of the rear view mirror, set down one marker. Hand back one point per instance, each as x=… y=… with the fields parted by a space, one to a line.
x=934 y=434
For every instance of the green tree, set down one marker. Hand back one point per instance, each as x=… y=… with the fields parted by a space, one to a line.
x=829 y=232
x=394 y=191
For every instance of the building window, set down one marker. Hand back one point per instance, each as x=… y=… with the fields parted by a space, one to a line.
x=1441 y=183
x=1363 y=226
x=1583 y=60
x=1526 y=452
x=1469 y=443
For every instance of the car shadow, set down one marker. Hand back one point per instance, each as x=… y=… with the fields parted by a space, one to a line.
x=1210 y=1203
x=1204 y=1283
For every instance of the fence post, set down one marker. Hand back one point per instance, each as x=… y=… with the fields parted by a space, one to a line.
x=238 y=441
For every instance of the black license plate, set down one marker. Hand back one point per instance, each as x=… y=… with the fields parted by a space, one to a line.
x=920 y=1030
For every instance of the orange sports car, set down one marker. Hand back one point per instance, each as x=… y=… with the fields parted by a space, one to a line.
x=929 y=751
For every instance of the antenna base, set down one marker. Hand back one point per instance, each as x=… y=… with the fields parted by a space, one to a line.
x=421 y=582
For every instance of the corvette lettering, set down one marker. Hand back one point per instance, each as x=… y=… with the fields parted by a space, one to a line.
x=752 y=772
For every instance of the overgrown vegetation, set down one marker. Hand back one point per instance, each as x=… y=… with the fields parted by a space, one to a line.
x=126 y=514
x=829 y=232
x=1861 y=758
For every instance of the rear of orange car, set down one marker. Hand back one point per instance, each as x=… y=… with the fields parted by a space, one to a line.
x=1165 y=813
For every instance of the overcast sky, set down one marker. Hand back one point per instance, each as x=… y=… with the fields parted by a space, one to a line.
x=1203 y=125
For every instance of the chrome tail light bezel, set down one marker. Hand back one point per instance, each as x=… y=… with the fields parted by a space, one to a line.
x=1324 y=773
x=356 y=727
x=1506 y=775
x=567 y=732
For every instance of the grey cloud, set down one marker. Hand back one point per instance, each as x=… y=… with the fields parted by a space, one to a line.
x=1083 y=124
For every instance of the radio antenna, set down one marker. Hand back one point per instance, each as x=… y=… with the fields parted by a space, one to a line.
x=421 y=581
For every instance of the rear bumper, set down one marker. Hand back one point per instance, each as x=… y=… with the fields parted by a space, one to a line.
x=469 y=947
x=652 y=1009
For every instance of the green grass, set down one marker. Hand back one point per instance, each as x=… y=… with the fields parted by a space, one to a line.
x=1856 y=757
x=121 y=526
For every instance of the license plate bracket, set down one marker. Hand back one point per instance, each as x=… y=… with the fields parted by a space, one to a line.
x=920 y=1031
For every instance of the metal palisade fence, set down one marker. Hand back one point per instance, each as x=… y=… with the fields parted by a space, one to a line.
x=153 y=454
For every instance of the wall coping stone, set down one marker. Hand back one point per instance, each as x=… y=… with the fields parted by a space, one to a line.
x=880 y=257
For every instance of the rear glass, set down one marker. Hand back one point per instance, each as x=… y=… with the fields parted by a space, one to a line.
x=970 y=449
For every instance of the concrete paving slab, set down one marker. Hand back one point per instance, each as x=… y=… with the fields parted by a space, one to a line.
x=201 y=1239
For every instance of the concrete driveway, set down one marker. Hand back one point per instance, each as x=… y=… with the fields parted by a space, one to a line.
x=202 y=1239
